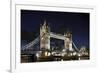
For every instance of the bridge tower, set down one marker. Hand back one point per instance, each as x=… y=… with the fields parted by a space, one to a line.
x=44 y=36
x=68 y=41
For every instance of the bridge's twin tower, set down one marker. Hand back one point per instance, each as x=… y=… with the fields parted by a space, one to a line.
x=68 y=41
x=45 y=38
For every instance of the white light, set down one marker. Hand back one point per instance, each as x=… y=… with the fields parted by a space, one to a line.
x=42 y=38
x=46 y=54
x=63 y=54
x=57 y=54
x=71 y=54
x=63 y=50
x=74 y=53
x=52 y=53
x=49 y=53
x=37 y=55
x=79 y=55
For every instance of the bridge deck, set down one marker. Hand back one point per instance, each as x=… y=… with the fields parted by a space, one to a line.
x=58 y=36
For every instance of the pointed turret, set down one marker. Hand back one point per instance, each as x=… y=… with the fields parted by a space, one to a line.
x=45 y=36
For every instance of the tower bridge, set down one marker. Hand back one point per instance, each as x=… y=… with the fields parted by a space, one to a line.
x=46 y=34
x=44 y=39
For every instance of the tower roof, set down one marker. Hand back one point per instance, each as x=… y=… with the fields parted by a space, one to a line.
x=45 y=23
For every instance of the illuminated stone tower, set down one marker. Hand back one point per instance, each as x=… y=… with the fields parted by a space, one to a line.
x=68 y=41
x=45 y=37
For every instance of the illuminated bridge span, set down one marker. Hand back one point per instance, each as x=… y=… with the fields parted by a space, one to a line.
x=44 y=39
x=57 y=36
x=75 y=47
x=31 y=44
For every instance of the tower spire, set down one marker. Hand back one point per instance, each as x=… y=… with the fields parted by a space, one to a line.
x=45 y=22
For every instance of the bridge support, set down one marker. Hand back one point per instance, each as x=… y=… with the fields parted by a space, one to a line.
x=68 y=41
x=44 y=37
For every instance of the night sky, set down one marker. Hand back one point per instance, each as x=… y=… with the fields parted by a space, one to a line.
x=59 y=22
